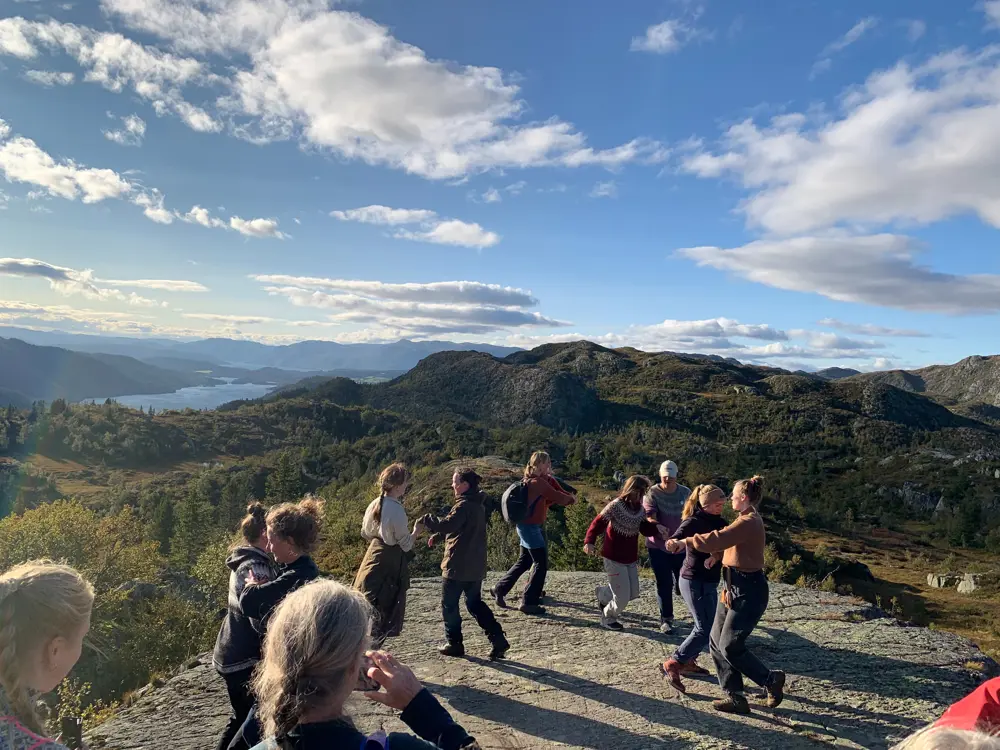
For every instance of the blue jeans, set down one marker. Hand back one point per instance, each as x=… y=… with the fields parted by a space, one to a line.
x=667 y=569
x=701 y=598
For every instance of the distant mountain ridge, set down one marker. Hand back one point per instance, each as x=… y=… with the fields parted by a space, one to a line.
x=973 y=379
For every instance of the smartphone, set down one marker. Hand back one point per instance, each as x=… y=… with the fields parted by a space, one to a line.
x=366 y=683
x=71 y=731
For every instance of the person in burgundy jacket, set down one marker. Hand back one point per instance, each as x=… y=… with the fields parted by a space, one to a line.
x=544 y=491
x=621 y=523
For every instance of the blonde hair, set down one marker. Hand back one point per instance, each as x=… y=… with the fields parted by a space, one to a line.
x=754 y=489
x=39 y=601
x=945 y=738
x=299 y=522
x=392 y=476
x=635 y=486
x=698 y=497
x=310 y=653
x=537 y=460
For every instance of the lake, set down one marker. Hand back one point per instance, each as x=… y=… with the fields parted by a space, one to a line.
x=196 y=397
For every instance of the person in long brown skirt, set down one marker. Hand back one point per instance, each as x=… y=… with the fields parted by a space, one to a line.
x=384 y=575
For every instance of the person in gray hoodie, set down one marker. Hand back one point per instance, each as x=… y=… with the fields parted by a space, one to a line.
x=664 y=504
x=237 y=648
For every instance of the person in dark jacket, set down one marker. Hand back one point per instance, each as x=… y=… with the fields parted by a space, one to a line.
x=292 y=532
x=237 y=648
x=700 y=576
x=314 y=657
x=464 y=565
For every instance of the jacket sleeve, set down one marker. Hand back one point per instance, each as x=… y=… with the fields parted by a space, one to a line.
x=648 y=528
x=597 y=528
x=451 y=523
x=684 y=530
x=716 y=541
x=553 y=496
x=431 y=721
x=257 y=601
x=260 y=569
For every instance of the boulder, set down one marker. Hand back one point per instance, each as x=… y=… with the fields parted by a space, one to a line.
x=942 y=580
x=973 y=582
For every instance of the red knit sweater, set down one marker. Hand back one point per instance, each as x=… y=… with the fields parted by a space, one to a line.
x=618 y=547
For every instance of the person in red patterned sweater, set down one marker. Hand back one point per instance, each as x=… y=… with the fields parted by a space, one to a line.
x=621 y=523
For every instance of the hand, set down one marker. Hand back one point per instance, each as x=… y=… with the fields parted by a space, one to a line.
x=590 y=549
x=432 y=540
x=674 y=546
x=399 y=684
x=709 y=563
x=252 y=580
x=418 y=528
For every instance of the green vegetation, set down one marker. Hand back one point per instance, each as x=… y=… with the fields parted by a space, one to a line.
x=145 y=504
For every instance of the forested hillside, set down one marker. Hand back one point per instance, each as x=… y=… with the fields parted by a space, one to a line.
x=838 y=455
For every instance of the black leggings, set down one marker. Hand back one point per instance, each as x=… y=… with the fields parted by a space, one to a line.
x=238 y=686
x=539 y=558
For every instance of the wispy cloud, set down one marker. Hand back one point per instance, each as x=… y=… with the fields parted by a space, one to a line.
x=607 y=189
x=132 y=132
x=666 y=37
x=858 y=30
x=49 y=77
x=432 y=228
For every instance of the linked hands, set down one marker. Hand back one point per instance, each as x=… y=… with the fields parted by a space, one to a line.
x=675 y=546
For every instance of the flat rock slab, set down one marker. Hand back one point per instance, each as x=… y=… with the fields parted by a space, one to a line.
x=856 y=679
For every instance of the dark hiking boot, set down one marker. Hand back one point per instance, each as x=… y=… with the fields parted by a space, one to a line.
x=452 y=649
x=498 y=598
x=775 y=688
x=532 y=609
x=732 y=704
x=611 y=625
x=672 y=671
x=500 y=648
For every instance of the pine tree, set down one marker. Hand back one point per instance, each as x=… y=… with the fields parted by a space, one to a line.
x=568 y=554
x=192 y=529
x=285 y=483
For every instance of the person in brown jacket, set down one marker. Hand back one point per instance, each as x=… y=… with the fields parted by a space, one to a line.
x=544 y=491
x=464 y=565
x=744 y=599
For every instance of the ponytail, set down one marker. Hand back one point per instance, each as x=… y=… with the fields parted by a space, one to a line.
x=392 y=476
x=693 y=501
x=254 y=523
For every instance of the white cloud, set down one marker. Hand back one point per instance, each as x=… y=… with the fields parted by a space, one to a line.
x=515 y=188
x=910 y=145
x=238 y=320
x=883 y=363
x=432 y=228
x=668 y=36
x=261 y=228
x=21 y=160
x=992 y=10
x=49 y=77
x=452 y=232
x=450 y=292
x=384 y=215
x=604 y=190
x=199 y=215
x=915 y=29
x=132 y=132
x=875 y=270
x=492 y=196
x=68 y=281
x=869 y=329
x=337 y=80
x=858 y=30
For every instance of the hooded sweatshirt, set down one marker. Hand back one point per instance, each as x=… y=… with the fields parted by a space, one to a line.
x=238 y=645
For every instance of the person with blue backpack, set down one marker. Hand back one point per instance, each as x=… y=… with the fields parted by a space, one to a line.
x=526 y=505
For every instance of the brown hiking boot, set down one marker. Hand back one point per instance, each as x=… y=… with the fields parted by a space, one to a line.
x=693 y=668
x=672 y=671
x=732 y=704
x=775 y=688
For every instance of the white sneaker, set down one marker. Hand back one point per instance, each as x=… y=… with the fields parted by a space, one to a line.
x=666 y=627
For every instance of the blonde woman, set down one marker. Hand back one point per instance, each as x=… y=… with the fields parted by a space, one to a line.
x=384 y=574
x=700 y=576
x=620 y=524
x=544 y=491
x=316 y=650
x=745 y=595
x=44 y=616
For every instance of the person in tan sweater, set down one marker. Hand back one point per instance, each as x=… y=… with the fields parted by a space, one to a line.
x=744 y=599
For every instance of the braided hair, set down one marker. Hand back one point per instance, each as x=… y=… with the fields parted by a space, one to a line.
x=39 y=601
x=311 y=654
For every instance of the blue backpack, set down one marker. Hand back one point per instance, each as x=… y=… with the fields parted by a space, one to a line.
x=515 y=504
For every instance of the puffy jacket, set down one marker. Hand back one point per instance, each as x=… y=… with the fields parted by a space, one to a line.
x=238 y=645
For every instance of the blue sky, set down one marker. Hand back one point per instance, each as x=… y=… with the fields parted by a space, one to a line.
x=797 y=183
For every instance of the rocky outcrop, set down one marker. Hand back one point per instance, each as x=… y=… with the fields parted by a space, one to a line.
x=942 y=580
x=973 y=582
x=856 y=679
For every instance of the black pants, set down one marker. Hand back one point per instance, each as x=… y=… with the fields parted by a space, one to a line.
x=451 y=594
x=238 y=686
x=733 y=625
x=539 y=558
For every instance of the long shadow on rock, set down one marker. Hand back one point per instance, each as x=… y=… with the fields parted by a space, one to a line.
x=594 y=734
